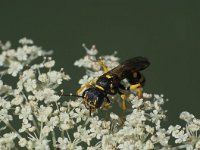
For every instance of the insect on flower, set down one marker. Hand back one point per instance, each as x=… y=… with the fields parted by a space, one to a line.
x=95 y=95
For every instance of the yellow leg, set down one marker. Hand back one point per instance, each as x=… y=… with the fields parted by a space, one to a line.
x=139 y=91
x=106 y=105
x=138 y=88
x=87 y=85
x=123 y=96
x=81 y=88
x=105 y=68
x=135 y=86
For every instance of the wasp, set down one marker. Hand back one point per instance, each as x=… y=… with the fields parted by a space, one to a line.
x=95 y=93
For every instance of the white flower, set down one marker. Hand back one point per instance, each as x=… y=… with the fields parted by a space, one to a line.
x=149 y=129
x=42 y=144
x=136 y=102
x=65 y=121
x=32 y=129
x=47 y=95
x=66 y=77
x=126 y=145
x=172 y=129
x=52 y=98
x=114 y=116
x=4 y=116
x=160 y=137
x=84 y=134
x=196 y=121
x=30 y=144
x=1 y=84
x=135 y=118
x=21 y=54
x=88 y=62
x=180 y=136
x=30 y=85
x=10 y=53
x=95 y=127
x=44 y=113
x=49 y=64
x=5 y=46
x=55 y=77
x=17 y=110
x=26 y=113
x=7 y=141
x=22 y=142
x=109 y=142
x=93 y=148
x=14 y=68
x=17 y=100
x=193 y=127
x=79 y=114
x=156 y=117
x=25 y=126
x=2 y=59
x=64 y=117
x=92 y=51
x=186 y=116
x=65 y=144
x=45 y=130
x=4 y=104
x=85 y=80
x=39 y=111
x=112 y=57
x=148 y=145
x=53 y=122
x=25 y=41
x=146 y=95
x=197 y=144
x=43 y=77
x=74 y=103
x=27 y=74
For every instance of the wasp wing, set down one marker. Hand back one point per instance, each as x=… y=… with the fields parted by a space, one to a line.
x=129 y=66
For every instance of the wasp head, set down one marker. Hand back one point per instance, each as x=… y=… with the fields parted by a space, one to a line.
x=93 y=98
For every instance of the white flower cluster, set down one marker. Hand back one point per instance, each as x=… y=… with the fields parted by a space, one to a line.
x=33 y=115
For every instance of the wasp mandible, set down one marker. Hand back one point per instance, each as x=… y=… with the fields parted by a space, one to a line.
x=109 y=83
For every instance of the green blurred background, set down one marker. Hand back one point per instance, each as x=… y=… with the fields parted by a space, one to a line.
x=167 y=32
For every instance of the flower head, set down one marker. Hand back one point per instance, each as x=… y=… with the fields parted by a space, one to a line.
x=45 y=119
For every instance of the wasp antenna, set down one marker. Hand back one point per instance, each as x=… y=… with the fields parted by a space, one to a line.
x=70 y=95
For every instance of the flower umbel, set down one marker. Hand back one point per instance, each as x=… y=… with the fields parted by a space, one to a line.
x=34 y=116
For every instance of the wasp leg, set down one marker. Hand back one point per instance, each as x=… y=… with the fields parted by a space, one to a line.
x=83 y=87
x=137 y=81
x=122 y=91
x=123 y=96
x=105 y=68
x=87 y=85
x=106 y=104
x=136 y=88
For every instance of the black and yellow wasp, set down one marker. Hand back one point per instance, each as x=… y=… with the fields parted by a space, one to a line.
x=95 y=94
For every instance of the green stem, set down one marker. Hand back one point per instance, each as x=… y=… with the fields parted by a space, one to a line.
x=36 y=126
x=12 y=129
x=41 y=126
x=53 y=138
